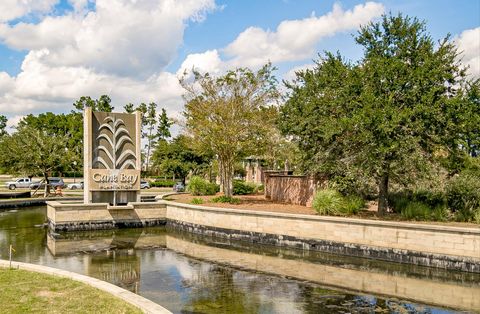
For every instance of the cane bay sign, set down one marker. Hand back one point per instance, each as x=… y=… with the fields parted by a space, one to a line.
x=112 y=179
x=112 y=152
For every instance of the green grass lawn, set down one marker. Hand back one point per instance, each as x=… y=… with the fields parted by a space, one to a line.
x=29 y=292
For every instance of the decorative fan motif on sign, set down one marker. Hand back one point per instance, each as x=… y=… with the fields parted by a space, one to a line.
x=115 y=133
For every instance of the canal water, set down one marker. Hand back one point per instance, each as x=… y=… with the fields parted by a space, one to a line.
x=192 y=274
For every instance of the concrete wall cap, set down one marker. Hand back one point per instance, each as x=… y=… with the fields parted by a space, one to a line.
x=162 y=196
x=37 y=199
x=70 y=204
x=356 y=221
x=111 y=207
x=146 y=204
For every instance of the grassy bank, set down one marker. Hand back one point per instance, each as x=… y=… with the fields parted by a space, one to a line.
x=29 y=292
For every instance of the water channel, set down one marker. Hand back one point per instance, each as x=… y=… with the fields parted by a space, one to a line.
x=191 y=274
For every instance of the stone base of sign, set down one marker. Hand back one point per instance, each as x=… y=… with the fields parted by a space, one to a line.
x=70 y=216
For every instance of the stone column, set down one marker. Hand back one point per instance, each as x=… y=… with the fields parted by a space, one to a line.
x=87 y=154
x=258 y=172
x=138 y=143
x=249 y=175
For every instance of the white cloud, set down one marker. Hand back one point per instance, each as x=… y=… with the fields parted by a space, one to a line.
x=51 y=33
x=12 y=9
x=293 y=40
x=469 y=44
x=13 y=121
x=122 y=37
x=120 y=49
x=296 y=39
x=6 y=82
x=79 y=5
x=290 y=75
x=208 y=61
x=39 y=88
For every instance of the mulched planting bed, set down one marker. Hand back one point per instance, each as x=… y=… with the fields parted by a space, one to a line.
x=252 y=202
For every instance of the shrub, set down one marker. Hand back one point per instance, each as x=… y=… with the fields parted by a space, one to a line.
x=226 y=199
x=416 y=211
x=351 y=205
x=463 y=196
x=420 y=211
x=199 y=186
x=242 y=188
x=461 y=216
x=332 y=202
x=327 y=202
x=162 y=183
x=432 y=198
x=196 y=200
x=476 y=216
x=398 y=201
x=440 y=213
x=435 y=201
x=472 y=166
x=260 y=188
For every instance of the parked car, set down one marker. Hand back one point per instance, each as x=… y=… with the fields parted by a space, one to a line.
x=144 y=184
x=18 y=183
x=75 y=186
x=179 y=187
x=54 y=182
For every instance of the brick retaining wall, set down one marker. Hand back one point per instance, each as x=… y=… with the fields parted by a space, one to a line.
x=297 y=190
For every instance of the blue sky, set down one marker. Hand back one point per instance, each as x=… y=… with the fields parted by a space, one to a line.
x=442 y=17
x=52 y=52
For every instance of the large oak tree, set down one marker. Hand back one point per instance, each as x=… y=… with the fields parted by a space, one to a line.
x=386 y=114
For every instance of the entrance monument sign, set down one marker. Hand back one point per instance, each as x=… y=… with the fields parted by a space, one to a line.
x=112 y=164
x=112 y=159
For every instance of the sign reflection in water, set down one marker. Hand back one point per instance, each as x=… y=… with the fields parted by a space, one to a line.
x=121 y=268
x=185 y=273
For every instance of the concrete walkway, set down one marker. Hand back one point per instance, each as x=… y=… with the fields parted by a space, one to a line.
x=143 y=304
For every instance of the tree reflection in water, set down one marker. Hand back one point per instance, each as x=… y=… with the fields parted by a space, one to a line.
x=24 y=232
x=215 y=291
